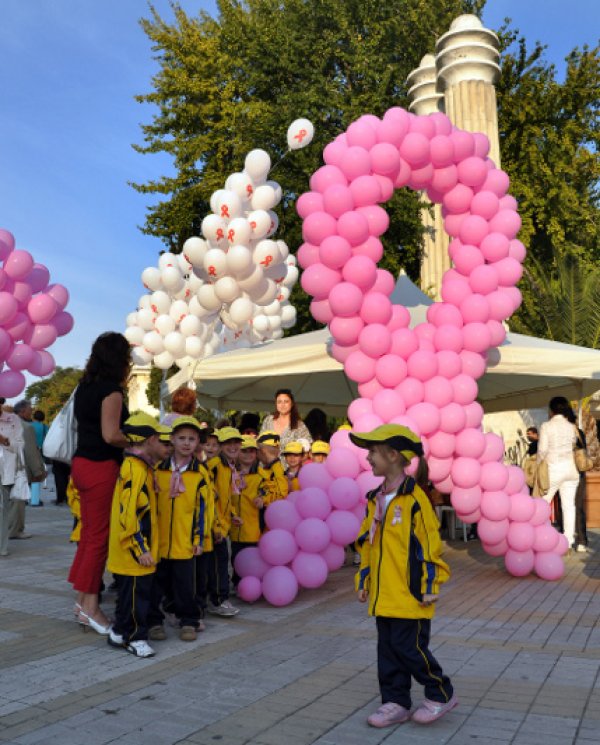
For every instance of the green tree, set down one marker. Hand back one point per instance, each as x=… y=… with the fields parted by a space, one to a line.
x=50 y=394
x=230 y=84
x=154 y=386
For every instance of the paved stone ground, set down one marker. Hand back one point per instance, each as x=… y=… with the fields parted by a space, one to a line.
x=524 y=656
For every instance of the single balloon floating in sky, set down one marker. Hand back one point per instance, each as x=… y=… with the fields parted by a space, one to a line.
x=32 y=316
x=300 y=134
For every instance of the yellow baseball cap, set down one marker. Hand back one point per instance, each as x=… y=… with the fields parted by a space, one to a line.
x=164 y=433
x=320 y=448
x=269 y=438
x=140 y=426
x=395 y=435
x=228 y=433
x=249 y=442
x=344 y=426
x=186 y=421
x=293 y=448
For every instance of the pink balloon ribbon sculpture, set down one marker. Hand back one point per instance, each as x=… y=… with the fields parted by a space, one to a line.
x=32 y=316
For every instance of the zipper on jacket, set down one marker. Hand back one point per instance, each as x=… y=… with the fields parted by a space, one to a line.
x=380 y=554
x=171 y=528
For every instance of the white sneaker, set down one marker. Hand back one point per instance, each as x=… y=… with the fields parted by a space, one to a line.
x=581 y=549
x=115 y=640
x=140 y=648
x=226 y=609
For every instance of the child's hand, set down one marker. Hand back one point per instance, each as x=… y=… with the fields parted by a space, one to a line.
x=258 y=503
x=428 y=600
x=197 y=550
x=362 y=596
x=235 y=520
x=146 y=559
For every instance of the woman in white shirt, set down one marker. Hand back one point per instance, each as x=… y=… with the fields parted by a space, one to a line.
x=557 y=438
x=11 y=442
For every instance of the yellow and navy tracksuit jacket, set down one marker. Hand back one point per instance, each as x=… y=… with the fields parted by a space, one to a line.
x=74 y=503
x=220 y=475
x=250 y=530
x=133 y=529
x=183 y=521
x=275 y=484
x=404 y=561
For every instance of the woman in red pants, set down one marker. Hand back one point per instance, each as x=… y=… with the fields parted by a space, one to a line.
x=100 y=412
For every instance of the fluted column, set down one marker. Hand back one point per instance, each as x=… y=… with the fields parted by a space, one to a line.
x=467 y=66
x=425 y=99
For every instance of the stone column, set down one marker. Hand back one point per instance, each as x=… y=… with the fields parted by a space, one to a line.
x=467 y=66
x=425 y=99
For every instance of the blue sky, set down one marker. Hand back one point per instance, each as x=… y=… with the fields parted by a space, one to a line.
x=69 y=72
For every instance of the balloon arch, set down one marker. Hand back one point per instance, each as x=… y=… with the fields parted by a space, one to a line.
x=424 y=377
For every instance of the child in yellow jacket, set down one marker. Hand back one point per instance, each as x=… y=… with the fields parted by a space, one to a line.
x=275 y=484
x=293 y=453
x=74 y=503
x=184 y=491
x=133 y=539
x=401 y=571
x=246 y=503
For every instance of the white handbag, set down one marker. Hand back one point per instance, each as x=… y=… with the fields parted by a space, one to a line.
x=20 y=489
x=61 y=441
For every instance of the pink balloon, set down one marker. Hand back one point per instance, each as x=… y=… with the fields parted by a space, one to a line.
x=335 y=251
x=311 y=534
x=385 y=283
x=439 y=468
x=426 y=415
x=494 y=476
x=492 y=531
x=337 y=199
x=519 y=563
x=311 y=570
x=346 y=331
x=458 y=200
x=472 y=171
x=390 y=371
x=8 y=240
x=464 y=144
x=422 y=365
x=20 y=328
x=415 y=149
x=8 y=307
x=18 y=264
x=522 y=507
x=282 y=514
x=279 y=585
x=354 y=227
x=42 y=363
x=361 y=134
x=404 y=342
x=334 y=556
x=520 y=536
x=449 y=363
x=495 y=505
x=495 y=246
x=367 y=482
x=545 y=539
x=314 y=502
x=497 y=549
x=549 y=566
x=42 y=308
x=453 y=418
x=361 y=271
x=473 y=416
x=494 y=448
x=309 y=202
x=355 y=162
x=21 y=357
x=388 y=404
x=438 y=391
x=38 y=277
x=357 y=409
x=516 y=479
x=340 y=439
x=12 y=383
x=466 y=500
x=496 y=181
x=63 y=322
x=325 y=177
x=22 y=293
x=448 y=338
x=466 y=472
x=385 y=158
x=249 y=562
x=541 y=512
x=370 y=388
x=318 y=280
x=315 y=474
x=249 y=589
x=277 y=547
x=470 y=442
x=509 y=271
x=376 y=308
x=473 y=230
x=344 y=493
x=345 y=299
x=321 y=311
x=344 y=527
x=484 y=203
x=372 y=248
x=343 y=463
x=42 y=335
x=307 y=255
x=317 y=226
x=506 y=222
x=563 y=545
x=464 y=389
x=441 y=444
x=6 y=344
x=365 y=190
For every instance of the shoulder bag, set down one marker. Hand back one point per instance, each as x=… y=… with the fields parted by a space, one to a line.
x=61 y=441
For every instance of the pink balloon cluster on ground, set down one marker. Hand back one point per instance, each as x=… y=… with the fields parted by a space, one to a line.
x=307 y=532
x=32 y=316
x=426 y=377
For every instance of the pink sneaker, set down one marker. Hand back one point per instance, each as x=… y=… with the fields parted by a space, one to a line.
x=389 y=714
x=429 y=711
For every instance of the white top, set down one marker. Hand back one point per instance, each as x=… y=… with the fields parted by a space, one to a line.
x=557 y=437
x=10 y=427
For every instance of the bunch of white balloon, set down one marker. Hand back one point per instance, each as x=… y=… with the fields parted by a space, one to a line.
x=229 y=288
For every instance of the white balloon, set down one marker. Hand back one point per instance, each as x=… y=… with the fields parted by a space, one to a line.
x=272 y=309
x=300 y=134
x=190 y=325
x=269 y=295
x=259 y=289
x=164 y=360
x=160 y=302
x=227 y=289
x=183 y=362
x=277 y=334
x=194 y=282
x=264 y=198
x=239 y=232
x=144 y=302
x=241 y=310
x=229 y=205
x=153 y=342
x=252 y=281
x=151 y=278
x=185 y=293
x=276 y=188
x=171 y=278
x=283 y=294
x=166 y=259
x=194 y=250
x=215 y=263
x=213 y=228
x=260 y=222
x=261 y=324
x=179 y=310
x=198 y=309
x=132 y=319
x=288 y=316
x=175 y=343
x=194 y=347
x=214 y=197
x=207 y=298
x=273 y=223
x=239 y=260
x=275 y=322
x=184 y=265
x=291 y=276
x=266 y=254
x=164 y=324
x=134 y=335
x=146 y=319
x=257 y=164
x=291 y=260
x=283 y=249
x=276 y=272
x=241 y=184
x=141 y=356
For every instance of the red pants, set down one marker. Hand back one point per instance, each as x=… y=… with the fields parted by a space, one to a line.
x=95 y=481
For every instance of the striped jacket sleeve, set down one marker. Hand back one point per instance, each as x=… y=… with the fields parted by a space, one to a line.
x=435 y=571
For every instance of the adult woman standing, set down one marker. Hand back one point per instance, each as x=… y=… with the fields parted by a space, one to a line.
x=557 y=438
x=11 y=444
x=100 y=412
x=285 y=420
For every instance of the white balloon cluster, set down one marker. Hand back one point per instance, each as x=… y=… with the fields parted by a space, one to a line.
x=229 y=288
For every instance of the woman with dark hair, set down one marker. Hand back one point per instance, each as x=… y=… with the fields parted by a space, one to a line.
x=557 y=438
x=316 y=421
x=285 y=420
x=100 y=412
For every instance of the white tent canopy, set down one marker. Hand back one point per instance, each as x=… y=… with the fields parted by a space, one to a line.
x=530 y=370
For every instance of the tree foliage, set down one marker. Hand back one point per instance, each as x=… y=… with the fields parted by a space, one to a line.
x=50 y=394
